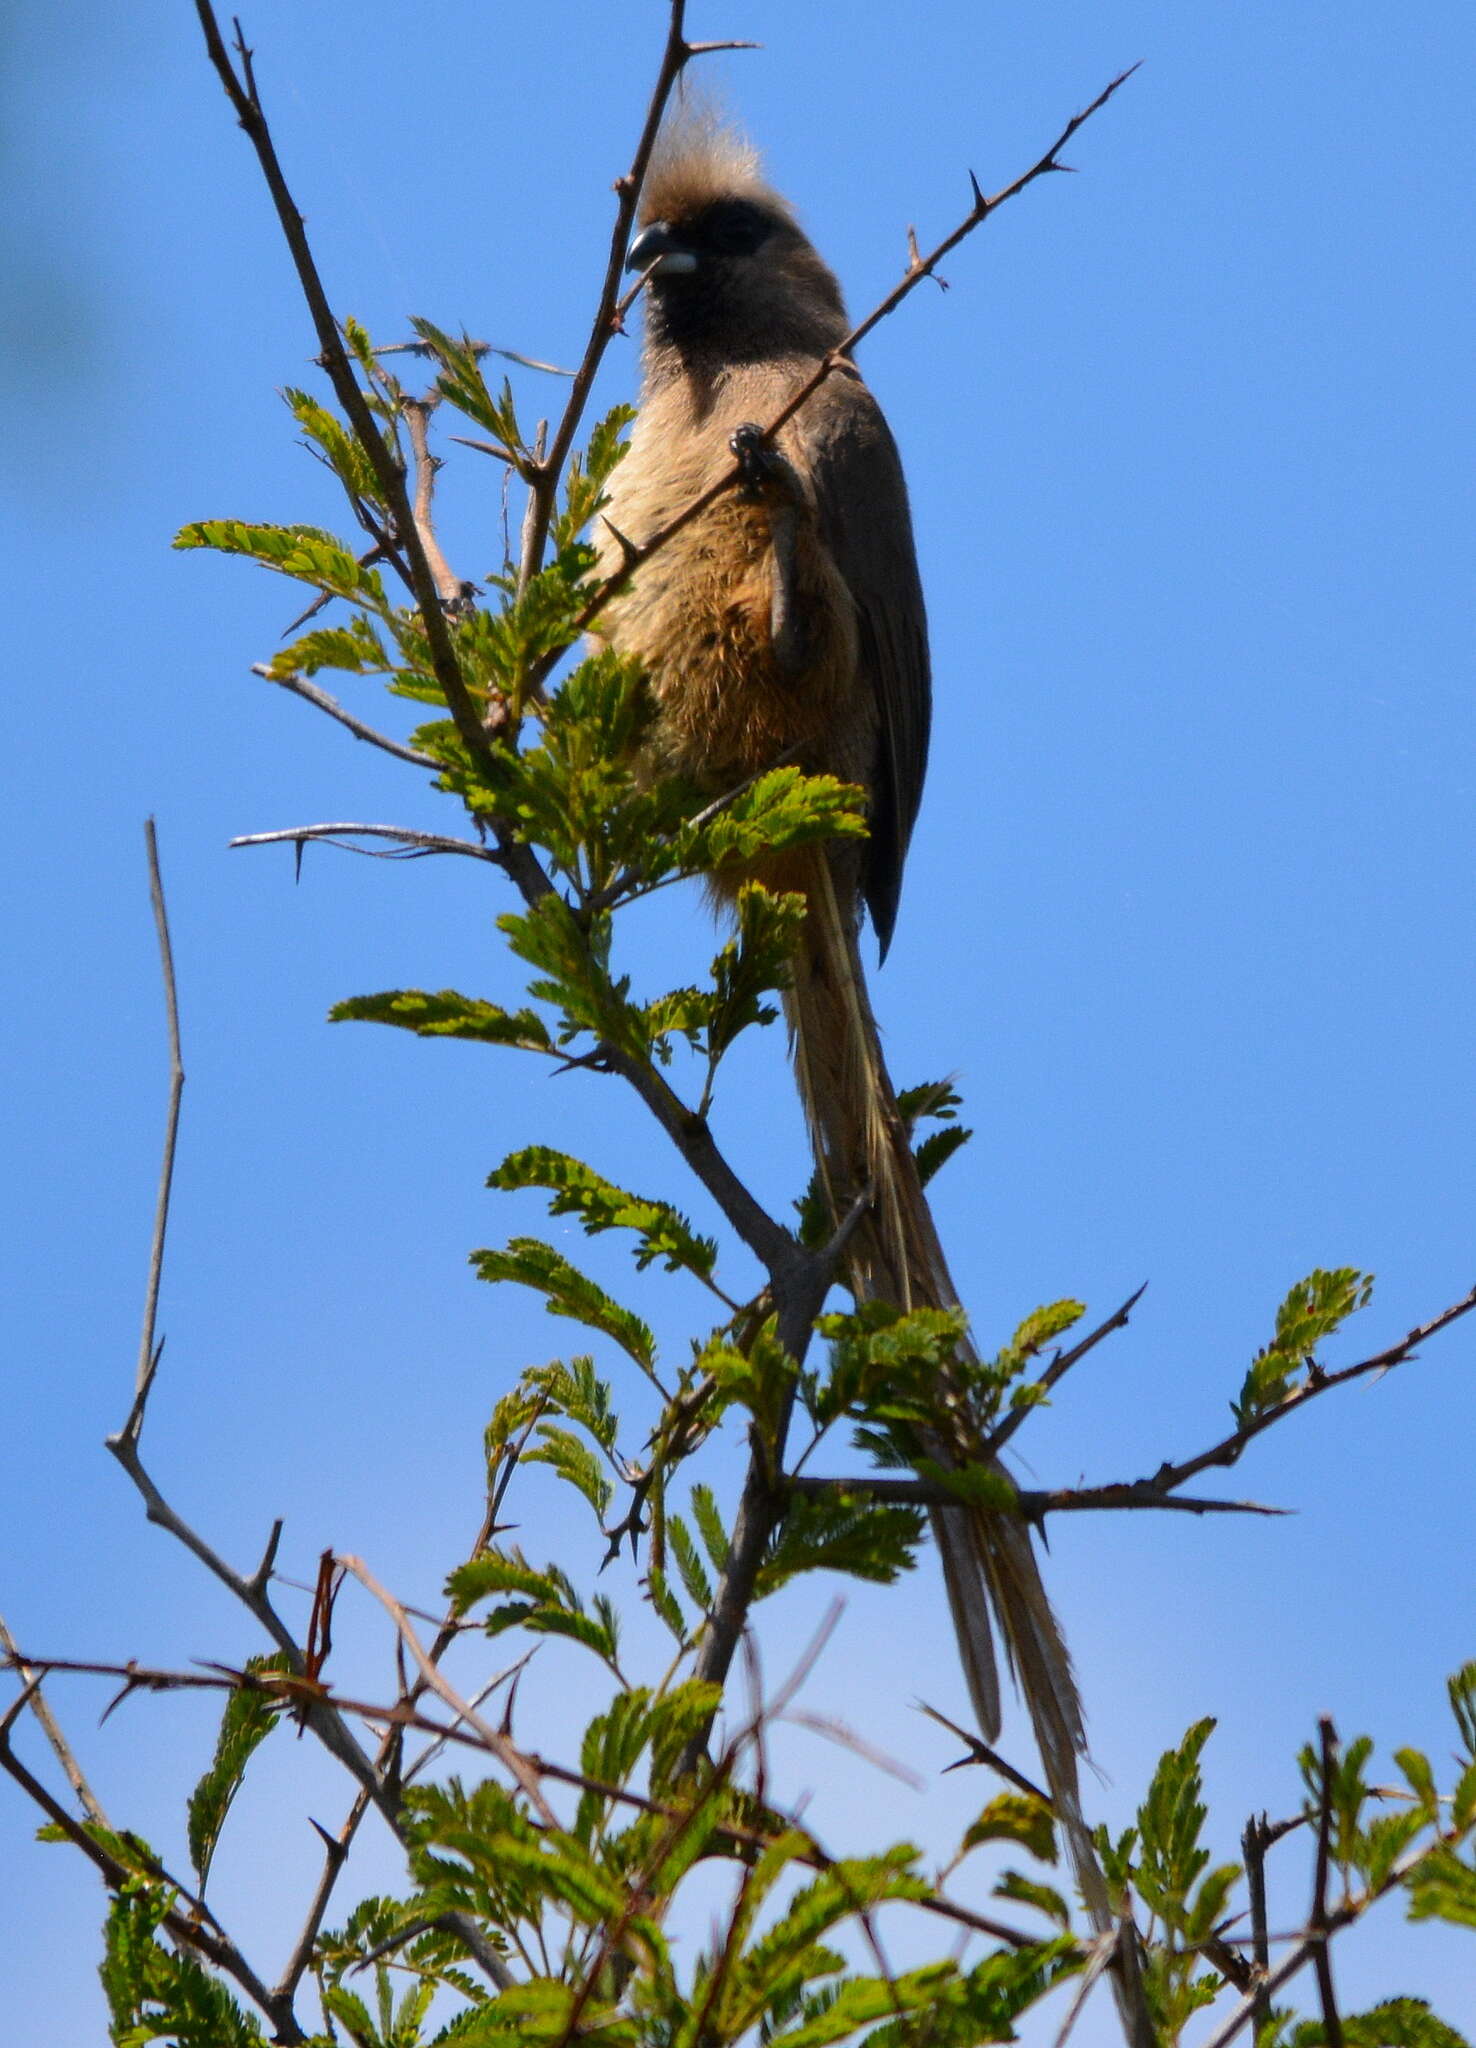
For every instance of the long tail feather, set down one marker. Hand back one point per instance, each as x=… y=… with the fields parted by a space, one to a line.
x=862 y=1145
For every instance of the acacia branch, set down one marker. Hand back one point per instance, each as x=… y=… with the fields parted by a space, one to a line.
x=1318 y=1381
x=1320 y=1925
x=292 y=1693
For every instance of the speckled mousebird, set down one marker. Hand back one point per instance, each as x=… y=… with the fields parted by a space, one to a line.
x=788 y=621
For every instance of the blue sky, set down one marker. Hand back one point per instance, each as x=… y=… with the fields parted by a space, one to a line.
x=1189 y=911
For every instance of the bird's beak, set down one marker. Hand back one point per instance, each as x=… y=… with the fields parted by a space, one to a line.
x=657 y=248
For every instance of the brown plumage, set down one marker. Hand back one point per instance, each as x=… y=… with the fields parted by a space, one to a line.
x=788 y=620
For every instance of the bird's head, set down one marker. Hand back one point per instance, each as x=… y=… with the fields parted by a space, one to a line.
x=733 y=277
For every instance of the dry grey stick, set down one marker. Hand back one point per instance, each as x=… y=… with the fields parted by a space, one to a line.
x=51 y=1728
x=321 y=700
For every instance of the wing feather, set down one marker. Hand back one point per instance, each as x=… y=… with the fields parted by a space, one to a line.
x=862 y=499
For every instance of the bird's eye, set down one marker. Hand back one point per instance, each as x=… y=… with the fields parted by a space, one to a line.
x=734 y=228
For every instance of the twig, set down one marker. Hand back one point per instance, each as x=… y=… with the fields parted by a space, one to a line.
x=1099 y=1958
x=335 y=835
x=1255 y=1840
x=1319 y=1923
x=51 y=1728
x=492 y=1739
x=148 y=1351
x=299 y=686
x=981 y=1753
x=838 y=358
x=1034 y=1504
x=476 y=348
x=452 y=591
x=1058 y=1368
x=1229 y=1448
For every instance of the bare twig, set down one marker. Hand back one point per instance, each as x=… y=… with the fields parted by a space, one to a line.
x=451 y=590
x=321 y=700
x=414 y=843
x=1099 y=1958
x=148 y=1350
x=1058 y=1368
x=51 y=1728
x=1319 y=1923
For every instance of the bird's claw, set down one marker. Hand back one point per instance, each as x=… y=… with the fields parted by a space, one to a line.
x=760 y=466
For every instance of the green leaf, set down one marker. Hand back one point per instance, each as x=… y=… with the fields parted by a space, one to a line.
x=839 y=1532
x=338 y=446
x=462 y=382
x=1462 y=1691
x=937 y=1149
x=694 y=1579
x=1314 y=1309
x=304 y=552
x=157 y=1993
x=1421 y=1780
x=710 y=1526
x=578 y=1190
x=666 y=1605
x=574 y=1462
x=784 y=809
x=1169 y=1821
x=354 y=648
x=1396 y=2023
x=568 y=1292
x=446 y=1015
x=248 y=1719
x=1015 y=1817
x=1028 y=1893
x=577 y=1390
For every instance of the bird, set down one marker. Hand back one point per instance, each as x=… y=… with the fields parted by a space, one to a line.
x=787 y=622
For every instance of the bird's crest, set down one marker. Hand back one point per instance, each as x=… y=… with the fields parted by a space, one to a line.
x=701 y=157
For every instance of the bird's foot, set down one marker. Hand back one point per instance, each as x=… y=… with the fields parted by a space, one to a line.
x=765 y=473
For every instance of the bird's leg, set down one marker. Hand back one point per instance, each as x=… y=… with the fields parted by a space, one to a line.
x=772 y=479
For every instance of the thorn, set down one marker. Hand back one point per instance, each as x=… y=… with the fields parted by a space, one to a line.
x=627 y=547
x=981 y=204
x=330 y=1842
x=1070 y=169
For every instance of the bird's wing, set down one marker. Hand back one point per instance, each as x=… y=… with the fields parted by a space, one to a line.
x=862 y=502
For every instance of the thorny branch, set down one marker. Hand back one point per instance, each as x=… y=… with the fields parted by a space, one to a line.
x=291 y=1692
x=322 y=700
x=197 y=1929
